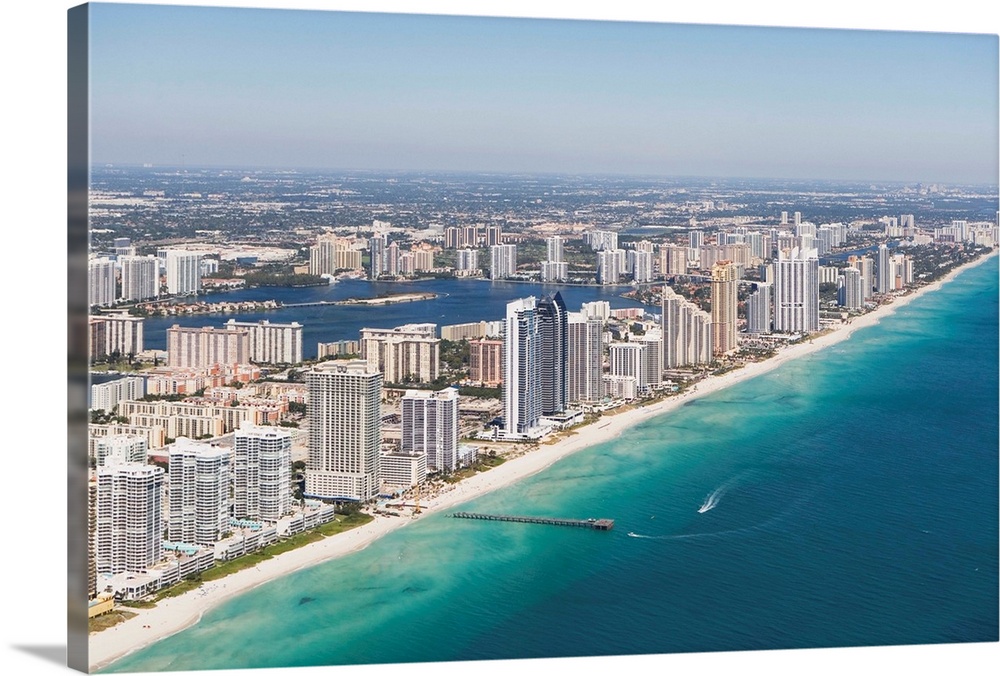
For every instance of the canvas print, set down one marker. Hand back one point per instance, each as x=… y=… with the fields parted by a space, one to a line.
x=438 y=338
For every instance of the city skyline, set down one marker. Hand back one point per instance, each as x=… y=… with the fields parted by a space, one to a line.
x=400 y=92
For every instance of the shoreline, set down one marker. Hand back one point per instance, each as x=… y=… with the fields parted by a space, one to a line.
x=176 y=614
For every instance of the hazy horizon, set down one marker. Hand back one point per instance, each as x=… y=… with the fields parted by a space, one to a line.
x=315 y=90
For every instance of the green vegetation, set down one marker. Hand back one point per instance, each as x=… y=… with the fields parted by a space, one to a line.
x=220 y=570
x=484 y=392
x=454 y=354
x=108 y=620
x=481 y=465
x=281 y=276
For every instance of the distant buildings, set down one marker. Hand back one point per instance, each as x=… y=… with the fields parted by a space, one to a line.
x=850 y=292
x=409 y=353
x=106 y=396
x=183 y=272
x=865 y=266
x=554 y=272
x=101 y=282
x=486 y=361
x=601 y=240
x=554 y=267
x=140 y=278
x=272 y=343
x=345 y=433
x=503 y=261
x=206 y=346
x=673 y=260
x=378 y=256
x=610 y=266
x=115 y=334
x=338 y=348
x=331 y=254
x=467 y=261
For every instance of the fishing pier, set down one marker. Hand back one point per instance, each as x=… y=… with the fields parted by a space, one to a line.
x=594 y=524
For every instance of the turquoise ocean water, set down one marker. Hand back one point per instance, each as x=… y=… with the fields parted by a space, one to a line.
x=848 y=498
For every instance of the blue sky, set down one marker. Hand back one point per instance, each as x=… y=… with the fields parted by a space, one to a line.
x=281 y=88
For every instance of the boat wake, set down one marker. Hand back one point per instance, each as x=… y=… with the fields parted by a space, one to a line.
x=651 y=537
x=712 y=499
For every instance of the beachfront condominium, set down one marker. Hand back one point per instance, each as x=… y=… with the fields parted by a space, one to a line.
x=198 y=508
x=866 y=267
x=850 y=292
x=885 y=273
x=183 y=272
x=653 y=339
x=206 y=346
x=687 y=332
x=129 y=520
x=101 y=282
x=796 y=291
x=140 y=277
x=503 y=261
x=552 y=329
x=262 y=461
x=522 y=367
x=429 y=425
x=405 y=354
x=584 y=357
x=345 y=433
x=92 y=537
x=629 y=360
x=759 y=308
x=272 y=343
x=725 y=278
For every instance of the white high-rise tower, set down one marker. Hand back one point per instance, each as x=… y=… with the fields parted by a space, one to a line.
x=796 y=291
x=345 y=433
x=262 y=463
x=129 y=528
x=183 y=272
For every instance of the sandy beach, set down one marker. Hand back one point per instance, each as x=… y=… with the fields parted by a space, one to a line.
x=175 y=614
